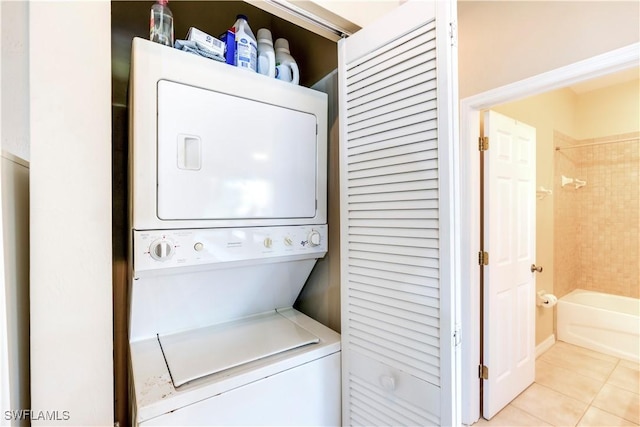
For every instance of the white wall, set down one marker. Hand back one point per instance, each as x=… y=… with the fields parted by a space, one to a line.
x=5 y=401
x=360 y=12
x=501 y=42
x=70 y=120
x=14 y=31
x=14 y=212
x=608 y=111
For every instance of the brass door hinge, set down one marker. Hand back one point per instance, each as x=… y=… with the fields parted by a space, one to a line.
x=483 y=258
x=483 y=372
x=483 y=143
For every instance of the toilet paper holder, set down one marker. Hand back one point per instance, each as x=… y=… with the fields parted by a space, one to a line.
x=546 y=300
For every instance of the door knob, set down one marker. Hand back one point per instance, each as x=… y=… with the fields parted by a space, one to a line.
x=534 y=269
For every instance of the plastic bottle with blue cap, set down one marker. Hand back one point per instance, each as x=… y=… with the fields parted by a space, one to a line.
x=246 y=46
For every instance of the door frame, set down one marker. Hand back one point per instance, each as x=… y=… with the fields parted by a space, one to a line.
x=469 y=172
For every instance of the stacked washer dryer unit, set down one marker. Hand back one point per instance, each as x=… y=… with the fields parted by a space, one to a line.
x=228 y=217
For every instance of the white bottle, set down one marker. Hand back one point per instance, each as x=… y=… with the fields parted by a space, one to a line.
x=286 y=67
x=266 y=54
x=246 y=46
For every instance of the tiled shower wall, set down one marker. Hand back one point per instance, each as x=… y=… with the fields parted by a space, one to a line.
x=597 y=227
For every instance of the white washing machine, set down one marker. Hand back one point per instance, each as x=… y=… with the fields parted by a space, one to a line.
x=228 y=218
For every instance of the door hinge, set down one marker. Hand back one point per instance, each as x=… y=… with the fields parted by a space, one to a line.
x=483 y=372
x=483 y=143
x=483 y=258
x=456 y=336
x=453 y=33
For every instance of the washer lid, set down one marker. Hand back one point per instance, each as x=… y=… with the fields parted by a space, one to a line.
x=200 y=352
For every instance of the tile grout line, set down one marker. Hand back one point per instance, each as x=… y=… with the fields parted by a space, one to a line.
x=590 y=403
x=555 y=391
x=598 y=393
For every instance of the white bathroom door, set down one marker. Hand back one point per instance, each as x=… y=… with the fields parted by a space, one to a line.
x=509 y=240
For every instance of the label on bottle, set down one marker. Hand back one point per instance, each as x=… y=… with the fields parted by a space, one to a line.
x=246 y=52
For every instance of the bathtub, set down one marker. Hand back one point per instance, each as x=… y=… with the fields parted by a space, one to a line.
x=606 y=323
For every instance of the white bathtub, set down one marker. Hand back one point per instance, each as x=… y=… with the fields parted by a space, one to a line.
x=606 y=323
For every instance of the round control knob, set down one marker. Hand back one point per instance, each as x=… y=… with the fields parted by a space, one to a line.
x=288 y=241
x=268 y=242
x=161 y=250
x=314 y=238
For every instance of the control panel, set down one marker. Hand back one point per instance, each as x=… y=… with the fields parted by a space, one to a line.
x=160 y=249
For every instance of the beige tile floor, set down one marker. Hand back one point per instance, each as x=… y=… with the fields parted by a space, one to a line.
x=575 y=386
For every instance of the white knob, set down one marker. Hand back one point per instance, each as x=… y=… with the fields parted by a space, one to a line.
x=288 y=241
x=268 y=242
x=161 y=250
x=314 y=238
x=388 y=382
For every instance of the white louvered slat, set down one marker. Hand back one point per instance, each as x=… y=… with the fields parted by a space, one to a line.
x=398 y=205
x=410 y=325
x=391 y=267
x=408 y=251
x=427 y=283
x=403 y=154
x=425 y=140
x=371 y=110
x=411 y=260
x=397 y=196
x=392 y=169
x=408 y=44
x=413 y=241
x=405 y=60
x=406 y=121
x=415 y=414
x=422 y=67
x=418 y=349
x=394 y=255
x=389 y=134
x=395 y=329
x=364 y=279
x=393 y=187
x=405 y=228
x=422 y=91
x=397 y=215
x=426 y=82
x=400 y=313
x=389 y=114
x=421 y=175
x=386 y=53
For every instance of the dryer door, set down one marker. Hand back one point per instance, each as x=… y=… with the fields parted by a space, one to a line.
x=226 y=157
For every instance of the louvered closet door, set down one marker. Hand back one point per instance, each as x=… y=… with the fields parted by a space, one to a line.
x=398 y=119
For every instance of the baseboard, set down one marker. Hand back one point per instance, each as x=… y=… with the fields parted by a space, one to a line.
x=545 y=345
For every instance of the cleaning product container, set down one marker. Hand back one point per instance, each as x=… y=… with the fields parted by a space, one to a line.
x=161 y=23
x=266 y=54
x=286 y=67
x=246 y=46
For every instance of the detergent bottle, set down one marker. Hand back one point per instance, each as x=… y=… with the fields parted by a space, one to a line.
x=266 y=54
x=286 y=67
